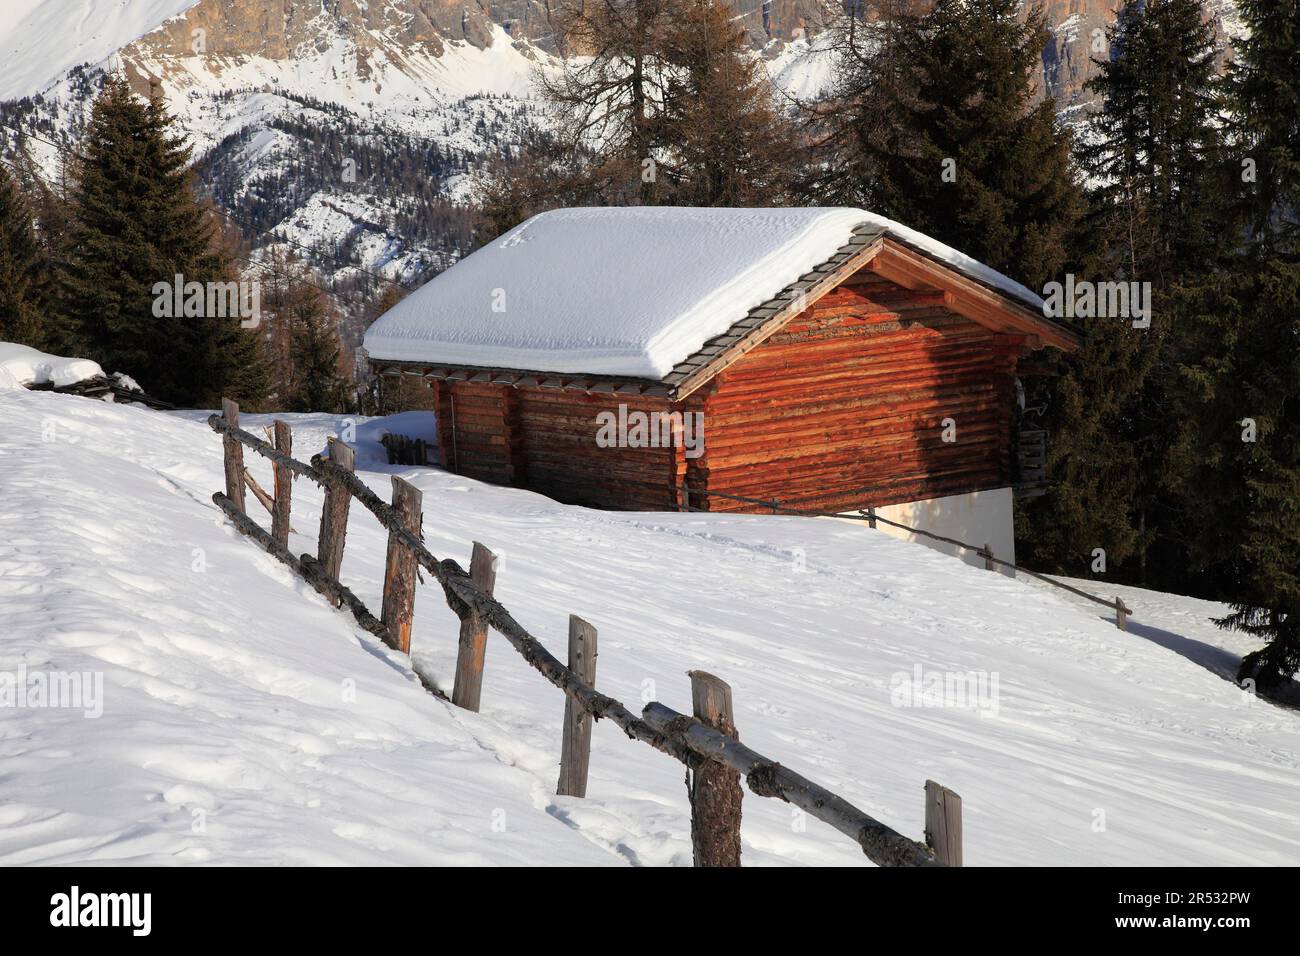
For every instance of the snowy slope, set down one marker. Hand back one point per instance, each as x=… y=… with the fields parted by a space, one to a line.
x=223 y=686
x=42 y=39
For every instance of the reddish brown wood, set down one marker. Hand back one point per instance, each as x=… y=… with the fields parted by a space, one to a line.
x=848 y=395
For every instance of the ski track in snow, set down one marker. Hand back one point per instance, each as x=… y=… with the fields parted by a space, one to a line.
x=225 y=688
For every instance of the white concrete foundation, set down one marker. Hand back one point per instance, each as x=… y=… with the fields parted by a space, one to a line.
x=980 y=517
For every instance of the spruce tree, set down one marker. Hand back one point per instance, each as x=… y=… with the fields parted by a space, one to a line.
x=1240 y=379
x=1264 y=85
x=317 y=385
x=1155 y=146
x=1158 y=213
x=23 y=304
x=136 y=222
x=951 y=141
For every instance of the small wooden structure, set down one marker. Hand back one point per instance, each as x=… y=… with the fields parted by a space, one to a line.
x=885 y=375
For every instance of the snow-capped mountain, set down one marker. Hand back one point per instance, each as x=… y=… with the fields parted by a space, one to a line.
x=352 y=127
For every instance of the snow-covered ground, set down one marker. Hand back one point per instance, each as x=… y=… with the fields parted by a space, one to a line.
x=22 y=365
x=244 y=720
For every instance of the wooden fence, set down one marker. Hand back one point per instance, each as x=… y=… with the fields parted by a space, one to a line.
x=991 y=561
x=706 y=742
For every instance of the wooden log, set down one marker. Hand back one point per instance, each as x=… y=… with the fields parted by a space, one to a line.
x=714 y=788
x=883 y=845
x=943 y=823
x=399 y=568
x=234 y=455
x=334 y=514
x=218 y=424
x=575 y=745
x=306 y=566
x=259 y=492
x=468 y=689
x=460 y=588
x=283 y=484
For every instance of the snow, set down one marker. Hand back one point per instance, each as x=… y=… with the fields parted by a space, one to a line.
x=625 y=291
x=246 y=721
x=22 y=365
x=42 y=39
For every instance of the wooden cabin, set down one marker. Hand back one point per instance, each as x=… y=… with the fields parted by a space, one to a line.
x=842 y=362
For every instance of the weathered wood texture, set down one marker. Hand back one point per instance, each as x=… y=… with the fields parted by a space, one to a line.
x=399 y=568
x=259 y=493
x=943 y=823
x=468 y=689
x=283 y=485
x=843 y=407
x=883 y=845
x=233 y=453
x=307 y=567
x=846 y=406
x=715 y=792
x=684 y=738
x=334 y=513
x=575 y=745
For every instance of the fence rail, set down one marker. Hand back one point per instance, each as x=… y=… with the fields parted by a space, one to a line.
x=705 y=742
x=872 y=517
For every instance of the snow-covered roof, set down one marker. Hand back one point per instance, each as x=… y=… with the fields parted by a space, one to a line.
x=629 y=291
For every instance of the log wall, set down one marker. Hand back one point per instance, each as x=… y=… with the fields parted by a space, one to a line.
x=852 y=394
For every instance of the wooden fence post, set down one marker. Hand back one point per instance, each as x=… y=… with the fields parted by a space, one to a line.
x=988 y=557
x=871 y=518
x=234 y=455
x=715 y=792
x=575 y=746
x=943 y=823
x=468 y=689
x=334 y=514
x=685 y=495
x=1122 y=611
x=283 y=484
x=400 y=567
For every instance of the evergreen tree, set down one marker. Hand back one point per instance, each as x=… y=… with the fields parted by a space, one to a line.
x=1159 y=214
x=317 y=384
x=1265 y=89
x=946 y=136
x=1155 y=146
x=1240 y=379
x=23 y=304
x=302 y=338
x=135 y=223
